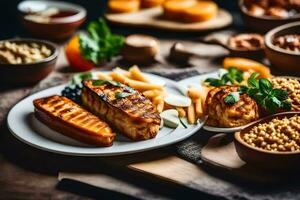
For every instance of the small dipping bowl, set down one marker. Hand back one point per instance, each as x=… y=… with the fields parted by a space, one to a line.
x=282 y=59
x=263 y=23
x=32 y=72
x=264 y=158
x=60 y=25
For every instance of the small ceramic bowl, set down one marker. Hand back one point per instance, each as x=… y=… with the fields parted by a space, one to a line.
x=29 y=73
x=284 y=60
x=66 y=21
x=263 y=158
x=263 y=23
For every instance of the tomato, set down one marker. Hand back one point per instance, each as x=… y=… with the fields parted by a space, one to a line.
x=73 y=54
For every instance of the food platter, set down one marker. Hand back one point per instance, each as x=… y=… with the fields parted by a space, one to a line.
x=24 y=126
x=152 y=18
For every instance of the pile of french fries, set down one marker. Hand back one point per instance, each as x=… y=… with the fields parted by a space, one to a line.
x=156 y=93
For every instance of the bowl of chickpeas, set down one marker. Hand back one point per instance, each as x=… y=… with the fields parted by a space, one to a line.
x=272 y=142
x=26 y=61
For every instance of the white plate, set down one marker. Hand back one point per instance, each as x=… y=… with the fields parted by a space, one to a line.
x=24 y=126
x=196 y=82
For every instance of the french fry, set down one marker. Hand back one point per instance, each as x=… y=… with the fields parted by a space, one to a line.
x=194 y=93
x=191 y=114
x=181 y=112
x=136 y=74
x=122 y=71
x=119 y=77
x=198 y=107
x=168 y=106
x=141 y=86
x=103 y=76
x=204 y=93
x=159 y=102
x=152 y=93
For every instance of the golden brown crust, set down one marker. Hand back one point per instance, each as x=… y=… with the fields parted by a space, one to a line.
x=134 y=116
x=221 y=114
x=65 y=116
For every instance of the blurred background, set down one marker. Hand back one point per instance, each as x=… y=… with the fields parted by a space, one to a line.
x=10 y=24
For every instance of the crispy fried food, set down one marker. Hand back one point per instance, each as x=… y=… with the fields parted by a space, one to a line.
x=201 y=11
x=123 y=6
x=221 y=114
x=68 y=118
x=134 y=116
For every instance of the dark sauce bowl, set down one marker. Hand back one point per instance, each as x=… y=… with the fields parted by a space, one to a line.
x=60 y=26
x=18 y=74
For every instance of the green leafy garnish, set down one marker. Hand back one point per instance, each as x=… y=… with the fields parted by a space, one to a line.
x=182 y=123
x=262 y=91
x=232 y=76
x=99 y=44
x=78 y=78
x=100 y=82
x=232 y=98
x=120 y=95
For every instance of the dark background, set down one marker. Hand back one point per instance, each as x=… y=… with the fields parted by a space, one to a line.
x=10 y=26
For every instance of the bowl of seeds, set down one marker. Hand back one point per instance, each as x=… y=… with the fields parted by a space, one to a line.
x=26 y=60
x=272 y=142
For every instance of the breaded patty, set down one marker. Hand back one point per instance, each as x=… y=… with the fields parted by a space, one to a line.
x=221 y=114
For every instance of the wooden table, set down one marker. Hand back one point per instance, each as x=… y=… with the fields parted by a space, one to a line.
x=29 y=173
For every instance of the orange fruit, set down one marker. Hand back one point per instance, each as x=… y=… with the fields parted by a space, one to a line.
x=73 y=54
x=123 y=6
x=245 y=64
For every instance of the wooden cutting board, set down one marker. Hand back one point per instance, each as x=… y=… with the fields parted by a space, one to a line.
x=218 y=153
x=153 y=18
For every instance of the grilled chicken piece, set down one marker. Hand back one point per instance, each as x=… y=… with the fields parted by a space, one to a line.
x=134 y=116
x=65 y=116
x=221 y=114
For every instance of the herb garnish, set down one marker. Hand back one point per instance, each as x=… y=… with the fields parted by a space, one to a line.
x=100 y=82
x=262 y=91
x=232 y=76
x=232 y=98
x=120 y=95
x=182 y=123
x=100 y=44
x=78 y=78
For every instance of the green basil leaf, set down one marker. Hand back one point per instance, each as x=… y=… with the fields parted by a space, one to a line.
x=253 y=91
x=252 y=80
x=286 y=105
x=232 y=98
x=120 y=95
x=265 y=85
x=213 y=82
x=102 y=82
x=280 y=94
x=272 y=104
x=244 y=89
x=89 y=48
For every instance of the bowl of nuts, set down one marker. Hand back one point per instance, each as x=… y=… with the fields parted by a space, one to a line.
x=264 y=15
x=282 y=47
x=272 y=142
x=26 y=60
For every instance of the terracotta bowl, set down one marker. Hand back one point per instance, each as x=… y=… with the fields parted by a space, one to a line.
x=282 y=59
x=263 y=23
x=59 y=28
x=29 y=73
x=263 y=158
